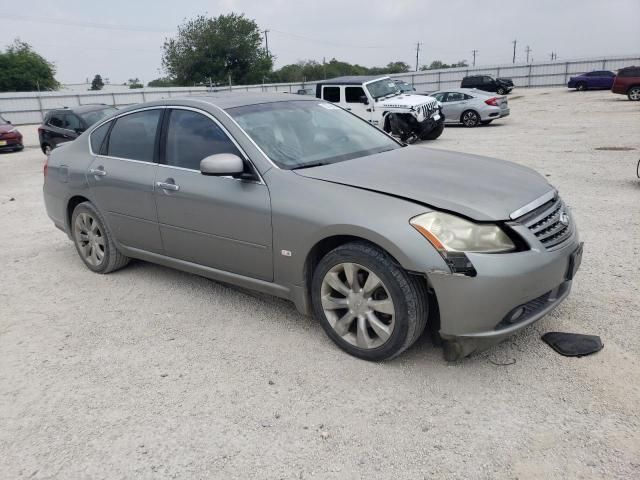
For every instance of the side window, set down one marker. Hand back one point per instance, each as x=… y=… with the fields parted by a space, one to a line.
x=134 y=136
x=71 y=122
x=192 y=137
x=438 y=96
x=97 y=138
x=331 y=94
x=56 y=120
x=455 y=97
x=353 y=94
x=487 y=80
x=467 y=97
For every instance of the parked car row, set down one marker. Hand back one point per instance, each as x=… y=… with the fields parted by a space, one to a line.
x=625 y=82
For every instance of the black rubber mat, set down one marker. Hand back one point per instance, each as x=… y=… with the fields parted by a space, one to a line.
x=573 y=344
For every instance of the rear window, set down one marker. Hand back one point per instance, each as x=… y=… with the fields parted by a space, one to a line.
x=134 y=136
x=55 y=120
x=331 y=94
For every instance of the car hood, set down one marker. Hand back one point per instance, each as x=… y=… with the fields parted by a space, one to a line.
x=405 y=100
x=8 y=128
x=480 y=188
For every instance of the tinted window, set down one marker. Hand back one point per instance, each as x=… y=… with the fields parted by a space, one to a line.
x=629 y=72
x=56 y=120
x=192 y=137
x=353 y=94
x=455 y=97
x=438 y=96
x=332 y=94
x=71 y=122
x=487 y=80
x=133 y=136
x=97 y=137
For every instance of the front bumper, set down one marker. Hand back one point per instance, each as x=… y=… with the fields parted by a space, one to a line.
x=473 y=310
x=10 y=143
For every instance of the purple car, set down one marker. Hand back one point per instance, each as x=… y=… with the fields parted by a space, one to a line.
x=592 y=80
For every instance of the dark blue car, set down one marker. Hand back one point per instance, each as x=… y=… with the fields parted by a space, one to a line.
x=592 y=80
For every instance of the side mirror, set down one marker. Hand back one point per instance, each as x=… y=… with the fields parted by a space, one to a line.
x=222 y=164
x=9 y=122
x=364 y=99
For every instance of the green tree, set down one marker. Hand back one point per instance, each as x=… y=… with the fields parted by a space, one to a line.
x=23 y=70
x=162 y=82
x=134 y=83
x=438 y=65
x=97 y=83
x=216 y=48
x=397 y=67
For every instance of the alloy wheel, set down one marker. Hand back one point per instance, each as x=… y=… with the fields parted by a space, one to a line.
x=634 y=94
x=358 y=305
x=470 y=119
x=47 y=150
x=90 y=239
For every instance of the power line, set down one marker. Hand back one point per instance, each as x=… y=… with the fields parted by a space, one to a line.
x=474 y=56
x=77 y=23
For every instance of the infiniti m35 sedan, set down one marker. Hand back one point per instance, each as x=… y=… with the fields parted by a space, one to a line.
x=301 y=199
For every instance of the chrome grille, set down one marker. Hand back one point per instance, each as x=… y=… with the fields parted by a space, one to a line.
x=429 y=108
x=550 y=223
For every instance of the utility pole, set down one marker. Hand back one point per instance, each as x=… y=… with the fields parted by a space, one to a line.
x=417 y=54
x=515 y=42
x=266 y=42
x=474 y=56
x=528 y=50
x=554 y=56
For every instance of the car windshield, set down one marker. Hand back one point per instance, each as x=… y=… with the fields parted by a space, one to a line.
x=94 y=116
x=300 y=134
x=383 y=88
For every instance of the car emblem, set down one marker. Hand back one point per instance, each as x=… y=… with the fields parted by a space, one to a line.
x=564 y=218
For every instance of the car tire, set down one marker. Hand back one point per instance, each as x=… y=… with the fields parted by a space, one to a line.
x=634 y=94
x=581 y=86
x=433 y=134
x=373 y=317
x=46 y=148
x=501 y=91
x=470 y=118
x=93 y=240
x=485 y=122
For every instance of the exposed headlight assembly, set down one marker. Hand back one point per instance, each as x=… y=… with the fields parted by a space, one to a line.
x=453 y=236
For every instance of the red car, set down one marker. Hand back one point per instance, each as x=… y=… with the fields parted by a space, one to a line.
x=627 y=82
x=10 y=137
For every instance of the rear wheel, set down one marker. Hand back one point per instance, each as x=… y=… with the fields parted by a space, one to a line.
x=433 y=134
x=634 y=94
x=94 y=241
x=581 y=86
x=46 y=149
x=501 y=91
x=366 y=303
x=470 y=118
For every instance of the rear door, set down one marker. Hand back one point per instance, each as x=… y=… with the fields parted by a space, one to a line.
x=454 y=104
x=121 y=177
x=219 y=222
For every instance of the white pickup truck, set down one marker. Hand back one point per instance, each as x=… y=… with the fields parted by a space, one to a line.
x=379 y=100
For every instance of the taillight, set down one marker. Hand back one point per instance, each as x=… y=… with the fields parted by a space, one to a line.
x=46 y=166
x=493 y=101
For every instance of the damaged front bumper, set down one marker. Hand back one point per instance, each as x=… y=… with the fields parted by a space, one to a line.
x=508 y=293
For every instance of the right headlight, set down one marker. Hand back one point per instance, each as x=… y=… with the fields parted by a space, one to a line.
x=449 y=233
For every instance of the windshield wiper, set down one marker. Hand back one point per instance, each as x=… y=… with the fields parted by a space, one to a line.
x=309 y=165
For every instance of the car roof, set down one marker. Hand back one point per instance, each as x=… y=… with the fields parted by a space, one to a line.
x=82 y=108
x=352 y=79
x=469 y=91
x=226 y=100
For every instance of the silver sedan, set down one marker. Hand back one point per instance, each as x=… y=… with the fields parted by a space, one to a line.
x=471 y=107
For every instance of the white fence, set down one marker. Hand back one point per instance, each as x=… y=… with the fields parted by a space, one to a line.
x=30 y=107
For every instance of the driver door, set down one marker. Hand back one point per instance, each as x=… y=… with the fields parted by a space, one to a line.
x=353 y=101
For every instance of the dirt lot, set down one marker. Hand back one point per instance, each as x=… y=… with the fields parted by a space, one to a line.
x=153 y=373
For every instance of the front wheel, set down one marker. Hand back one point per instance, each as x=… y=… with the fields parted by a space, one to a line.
x=433 y=134
x=366 y=303
x=581 y=86
x=470 y=119
x=634 y=94
x=94 y=241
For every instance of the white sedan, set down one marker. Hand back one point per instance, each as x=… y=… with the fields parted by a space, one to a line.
x=471 y=107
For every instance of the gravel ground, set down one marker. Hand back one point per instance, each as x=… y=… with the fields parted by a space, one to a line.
x=154 y=373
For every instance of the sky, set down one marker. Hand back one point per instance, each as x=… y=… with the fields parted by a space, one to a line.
x=122 y=39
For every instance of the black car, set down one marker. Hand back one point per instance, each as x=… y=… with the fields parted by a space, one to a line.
x=487 y=83
x=66 y=124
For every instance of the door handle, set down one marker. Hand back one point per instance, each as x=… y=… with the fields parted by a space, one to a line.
x=168 y=186
x=98 y=172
